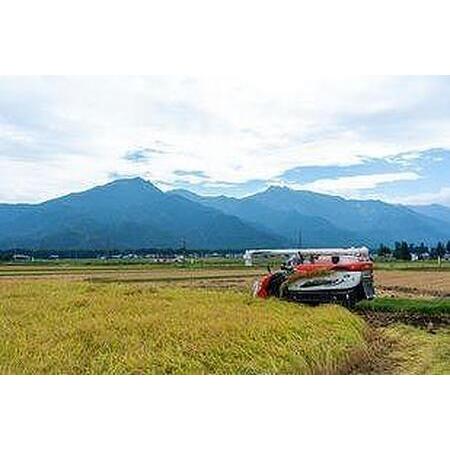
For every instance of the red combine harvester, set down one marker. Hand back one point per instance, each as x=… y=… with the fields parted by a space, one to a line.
x=337 y=275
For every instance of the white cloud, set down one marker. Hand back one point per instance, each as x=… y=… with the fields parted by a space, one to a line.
x=352 y=184
x=441 y=196
x=75 y=131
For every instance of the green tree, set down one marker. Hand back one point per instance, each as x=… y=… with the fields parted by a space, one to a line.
x=422 y=248
x=383 y=250
x=440 y=249
x=401 y=251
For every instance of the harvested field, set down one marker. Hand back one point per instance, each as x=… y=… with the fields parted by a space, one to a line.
x=397 y=283
x=413 y=283
x=420 y=266
x=133 y=274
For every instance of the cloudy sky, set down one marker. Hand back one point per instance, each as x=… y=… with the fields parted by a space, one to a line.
x=386 y=138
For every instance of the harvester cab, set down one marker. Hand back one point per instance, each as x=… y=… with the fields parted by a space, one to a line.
x=336 y=275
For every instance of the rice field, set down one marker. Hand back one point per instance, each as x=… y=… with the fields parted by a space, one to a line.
x=143 y=319
x=66 y=327
x=399 y=281
x=414 y=351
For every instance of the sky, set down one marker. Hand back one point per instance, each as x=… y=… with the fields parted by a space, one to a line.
x=384 y=138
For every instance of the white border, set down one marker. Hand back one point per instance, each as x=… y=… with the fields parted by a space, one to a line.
x=224 y=412
x=245 y=39
x=234 y=38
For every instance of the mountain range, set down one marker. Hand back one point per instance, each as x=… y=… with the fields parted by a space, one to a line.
x=133 y=213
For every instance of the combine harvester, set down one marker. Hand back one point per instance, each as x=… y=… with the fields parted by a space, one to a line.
x=332 y=275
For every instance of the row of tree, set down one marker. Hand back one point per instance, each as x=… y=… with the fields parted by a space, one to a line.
x=404 y=250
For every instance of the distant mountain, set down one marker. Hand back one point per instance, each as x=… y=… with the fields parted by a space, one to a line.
x=133 y=213
x=434 y=211
x=294 y=226
x=129 y=213
x=329 y=220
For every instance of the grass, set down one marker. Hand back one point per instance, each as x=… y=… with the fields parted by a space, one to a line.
x=425 y=306
x=68 y=327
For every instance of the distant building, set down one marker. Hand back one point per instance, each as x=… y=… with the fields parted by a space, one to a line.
x=130 y=256
x=20 y=257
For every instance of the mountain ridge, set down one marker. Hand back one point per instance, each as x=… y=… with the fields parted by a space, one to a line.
x=367 y=222
x=125 y=214
x=134 y=213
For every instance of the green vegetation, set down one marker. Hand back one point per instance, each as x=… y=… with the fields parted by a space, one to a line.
x=53 y=327
x=425 y=306
x=404 y=251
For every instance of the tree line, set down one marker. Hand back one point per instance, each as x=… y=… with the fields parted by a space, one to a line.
x=8 y=255
x=404 y=250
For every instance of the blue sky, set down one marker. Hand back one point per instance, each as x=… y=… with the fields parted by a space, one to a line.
x=385 y=138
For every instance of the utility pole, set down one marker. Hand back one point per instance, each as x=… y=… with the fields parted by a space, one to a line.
x=300 y=238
